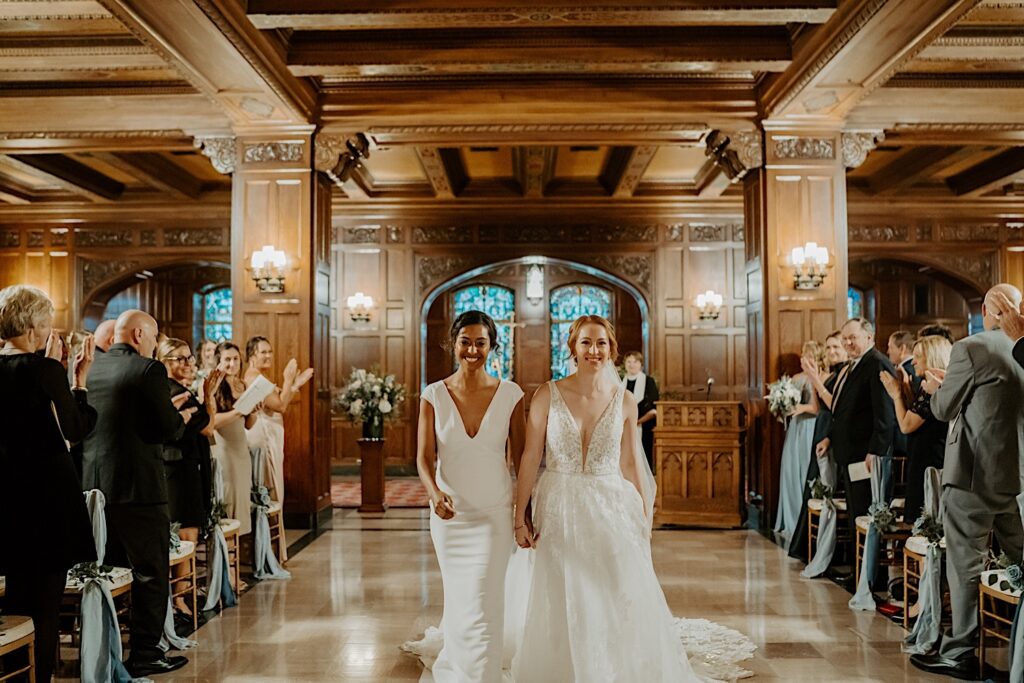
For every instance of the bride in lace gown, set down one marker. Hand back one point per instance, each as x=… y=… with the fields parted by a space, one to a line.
x=595 y=610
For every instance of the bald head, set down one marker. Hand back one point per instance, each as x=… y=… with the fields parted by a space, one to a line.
x=139 y=330
x=104 y=334
x=989 y=312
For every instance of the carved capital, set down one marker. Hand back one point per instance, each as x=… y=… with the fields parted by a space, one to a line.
x=857 y=145
x=747 y=144
x=219 y=150
x=327 y=148
x=338 y=156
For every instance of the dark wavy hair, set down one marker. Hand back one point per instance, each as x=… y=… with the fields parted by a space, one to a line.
x=252 y=345
x=472 y=318
x=225 y=399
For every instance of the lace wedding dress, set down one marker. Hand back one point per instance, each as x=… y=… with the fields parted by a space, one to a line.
x=586 y=605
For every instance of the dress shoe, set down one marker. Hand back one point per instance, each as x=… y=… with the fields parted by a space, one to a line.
x=965 y=669
x=157 y=666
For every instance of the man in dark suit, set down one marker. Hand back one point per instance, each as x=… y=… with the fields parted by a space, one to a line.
x=980 y=395
x=123 y=458
x=863 y=416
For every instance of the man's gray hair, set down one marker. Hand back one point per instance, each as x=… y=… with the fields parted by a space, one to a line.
x=864 y=323
x=22 y=308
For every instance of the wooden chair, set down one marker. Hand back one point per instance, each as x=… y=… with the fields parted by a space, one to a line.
x=914 y=551
x=183 y=578
x=70 y=609
x=18 y=633
x=814 y=507
x=891 y=550
x=996 y=608
x=230 y=527
x=277 y=538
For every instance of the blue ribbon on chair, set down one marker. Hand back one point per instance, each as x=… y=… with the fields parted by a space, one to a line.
x=265 y=564
x=927 y=629
x=826 y=523
x=218 y=589
x=863 y=599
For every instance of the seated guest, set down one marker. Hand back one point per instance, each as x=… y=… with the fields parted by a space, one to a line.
x=187 y=460
x=926 y=443
x=269 y=430
x=124 y=460
x=645 y=391
x=936 y=330
x=231 y=448
x=45 y=526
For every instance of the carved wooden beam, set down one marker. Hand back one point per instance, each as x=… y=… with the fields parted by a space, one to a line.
x=444 y=169
x=971 y=109
x=142 y=112
x=964 y=133
x=989 y=175
x=859 y=49
x=484 y=134
x=11 y=193
x=916 y=165
x=534 y=167
x=712 y=182
x=94 y=141
x=158 y=171
x=70 y=175
x=624 y=167
x=366 y=14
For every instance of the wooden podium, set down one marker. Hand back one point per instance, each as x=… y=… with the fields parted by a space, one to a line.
x=698 y=447
x=371 y=472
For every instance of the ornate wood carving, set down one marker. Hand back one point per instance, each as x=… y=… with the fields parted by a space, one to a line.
x=59 y=237
x=625 y=167
x=879 y=233
x=220 y=151
x=635 y=267
x=520 y=132
x=431 y=270
x=533 y=166
x=10 y=238
x=857 y=145
x=271 y=152
x=749 y=147
x=924 y=233
x=537 y=234
x=969 y=232
x=704 y=232
x=395 y=233
x=35 y=238
x=103 y=238
x=195 y=237
x=327 y=148
x=978 y=266
x=442 y=235
x=147 y=238
x=367 y=234
x=787 y=147
x=624 y=233
x=738 y=234
x=96 y=273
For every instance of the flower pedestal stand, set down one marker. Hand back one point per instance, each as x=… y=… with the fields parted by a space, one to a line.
x=371 y=473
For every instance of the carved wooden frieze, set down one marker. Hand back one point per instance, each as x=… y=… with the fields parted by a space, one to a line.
x=489 y=234
x=10 y=238
x=271 y=152
x=59 y=237
x=442 y=235
x=431 y=270
x=969 y=232
x=103 y=238
x=35 y=238
x=537 y=233
x=748 y=147
x=704 y=232
x=787 y=147
x=196 y=237
x=219 y=150
x=327 y=150
x=977 y=267
x=924 y=233
x=738 y=235
x=637 y=268
x=879 y=233
x=147 y=238
x=95 y=273
x=395 y=233
x=361 y=234
x=624 y=233
x=725 y=416
x=673 y=416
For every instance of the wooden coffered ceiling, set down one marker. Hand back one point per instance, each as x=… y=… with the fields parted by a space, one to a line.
x=485 y=101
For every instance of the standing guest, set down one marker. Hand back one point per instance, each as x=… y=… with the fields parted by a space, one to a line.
x=645 y=391
x=926 y=442
x=936 y=330
x=124 y=460
x=45 y=526
x=207 y=363
x=980 y=395
x=104 y=335
x=835 y=359
x=465 y=422
x=901 y=354
x=798 y=446
x=231 y=448
x=1011 y=321
x=269 y=429
x=187 y=459
x=863 y=417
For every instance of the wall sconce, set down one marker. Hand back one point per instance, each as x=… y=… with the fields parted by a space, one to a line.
x=710 y=305
x=359 y=306
x=810 y=266
x=535 y=284
x=268 y=269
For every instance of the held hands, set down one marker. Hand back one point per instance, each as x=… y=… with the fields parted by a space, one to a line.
x=822 y=448
x=1011 y=318
x=526 y=535
x=444 y=507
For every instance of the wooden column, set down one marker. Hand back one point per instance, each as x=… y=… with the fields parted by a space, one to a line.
x=798 y=196
x=279 y=199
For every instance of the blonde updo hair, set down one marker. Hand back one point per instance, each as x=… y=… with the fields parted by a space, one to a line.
x=22 y=308
x=577 y=325
x=167 y=346
x=816 y=352
x=935 y=350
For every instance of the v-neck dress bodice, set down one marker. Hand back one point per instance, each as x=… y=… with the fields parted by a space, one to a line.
x=564 y=439
x=472 y=470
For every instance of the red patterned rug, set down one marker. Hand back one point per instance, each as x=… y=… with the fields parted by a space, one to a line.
x=406 y=492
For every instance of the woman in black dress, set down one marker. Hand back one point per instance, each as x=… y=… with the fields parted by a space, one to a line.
x=44 y=525
x=926 y=441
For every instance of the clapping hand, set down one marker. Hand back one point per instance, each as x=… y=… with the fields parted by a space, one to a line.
x=83 y=360
x=809 y=367
x=890 y=383
x=55 y=347
x=293 y=378
x=1011 y=318
x=444 y=506
x=933 y=378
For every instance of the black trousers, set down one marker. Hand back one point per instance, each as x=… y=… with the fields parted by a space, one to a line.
x=38 y=595
x=139 y=536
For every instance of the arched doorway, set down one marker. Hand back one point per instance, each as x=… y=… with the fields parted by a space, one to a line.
x=186 y=298
x=904 y=294
x=533 y=320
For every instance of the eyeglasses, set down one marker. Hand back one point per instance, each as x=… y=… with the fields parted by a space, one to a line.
x=181 y=359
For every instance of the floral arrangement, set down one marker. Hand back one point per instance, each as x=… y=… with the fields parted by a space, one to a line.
x=783 y=397
x=217 y=512
x=928 y=527
x=84 y=571
x=370 y=398
x=882 y=517
x=1014 y=574
x=175 y=537
x=820 y=490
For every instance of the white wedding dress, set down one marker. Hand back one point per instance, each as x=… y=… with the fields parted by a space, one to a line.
x=586 y=605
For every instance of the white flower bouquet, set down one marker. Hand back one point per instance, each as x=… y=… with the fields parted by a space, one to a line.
x=370 y=399
x=783 y=397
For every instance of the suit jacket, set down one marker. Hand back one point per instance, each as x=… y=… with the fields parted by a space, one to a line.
x=1018 y=352
x=981 y=398
x=124 y=454
x=863 y=415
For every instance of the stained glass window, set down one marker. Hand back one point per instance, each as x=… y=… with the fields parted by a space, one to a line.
x=217 y=315
x=500 y=304
x=567 y=304
x=854 y=303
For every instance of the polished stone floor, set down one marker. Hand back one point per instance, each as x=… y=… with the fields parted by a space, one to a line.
x=363 y=588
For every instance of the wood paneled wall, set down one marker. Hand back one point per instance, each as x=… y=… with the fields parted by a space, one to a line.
x=668 y=260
